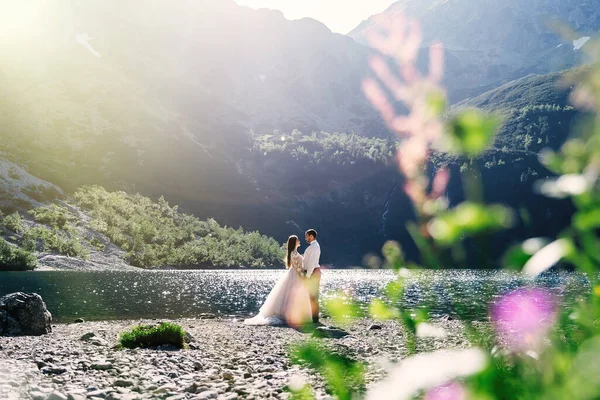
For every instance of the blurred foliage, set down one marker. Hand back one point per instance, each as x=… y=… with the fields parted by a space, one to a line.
x=563 y=362
x=471 y=132
x=343 y=375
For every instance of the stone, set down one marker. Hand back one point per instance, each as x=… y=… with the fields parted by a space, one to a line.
x=79 y=321
x=188 y=338
x=57 y=396
x=53 y=370
x=99 y=393
x=24 y=314
x=78 y=394
x=102 y=366
x=123 y=383
x=191 y=388
x=87 y=336
x=98 y=342
x=209 y=394
x=37 y=396
x=227 y=375
x=165 y=389
x=375 y=327
x=329 y=333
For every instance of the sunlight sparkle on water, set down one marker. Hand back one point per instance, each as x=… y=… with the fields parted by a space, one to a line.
x=182 y=294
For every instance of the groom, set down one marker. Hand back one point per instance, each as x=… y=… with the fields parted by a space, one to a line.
x=313 y=271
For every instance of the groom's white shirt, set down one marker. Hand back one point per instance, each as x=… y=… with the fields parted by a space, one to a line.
x=311 y=258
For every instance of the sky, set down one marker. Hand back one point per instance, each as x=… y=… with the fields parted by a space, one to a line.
x=340 y=16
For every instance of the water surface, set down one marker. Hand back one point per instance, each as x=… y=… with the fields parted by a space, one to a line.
x=181 y=294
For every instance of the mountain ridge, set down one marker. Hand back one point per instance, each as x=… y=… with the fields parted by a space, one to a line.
x=497 y=43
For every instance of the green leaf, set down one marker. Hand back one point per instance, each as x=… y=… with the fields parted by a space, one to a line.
x=472 y=132
x=343 y=375
x=437 y=103
x=515 y=258
x=380 y=311
x=586 y=220
x=342 y=308
x=469 y=219
x=393 y=254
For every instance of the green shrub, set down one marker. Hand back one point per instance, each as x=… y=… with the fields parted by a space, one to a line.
x=165 y=333
x=13 y=222
x=53 y=215
x=97 y=243
x=13 y=258
x=46 y=239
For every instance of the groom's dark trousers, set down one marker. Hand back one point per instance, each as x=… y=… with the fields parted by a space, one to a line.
x=314 y=282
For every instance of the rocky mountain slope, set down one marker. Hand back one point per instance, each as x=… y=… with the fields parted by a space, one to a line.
x=174 y=100
x=497 y=42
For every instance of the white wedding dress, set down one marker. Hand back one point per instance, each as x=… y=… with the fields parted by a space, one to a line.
x=289 y=300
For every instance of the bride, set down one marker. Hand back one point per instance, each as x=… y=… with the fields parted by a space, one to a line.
x=289 y=301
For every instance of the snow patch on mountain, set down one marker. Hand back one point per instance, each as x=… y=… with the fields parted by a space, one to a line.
x=84 y=40
x=579 y=43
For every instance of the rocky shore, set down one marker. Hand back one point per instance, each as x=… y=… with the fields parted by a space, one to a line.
x=225 y=360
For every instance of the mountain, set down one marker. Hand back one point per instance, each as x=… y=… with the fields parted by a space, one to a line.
x=199 y=104
x=162 y=98
x=166 y=99
x=214 y=61
x=536 y=110
x=498 y=42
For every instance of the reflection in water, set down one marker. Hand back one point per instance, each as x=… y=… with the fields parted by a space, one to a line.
x=175 y=294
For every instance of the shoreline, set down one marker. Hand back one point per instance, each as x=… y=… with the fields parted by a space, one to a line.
x=225 y=360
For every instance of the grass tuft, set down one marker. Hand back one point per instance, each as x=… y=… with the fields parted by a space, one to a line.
x=165 y=333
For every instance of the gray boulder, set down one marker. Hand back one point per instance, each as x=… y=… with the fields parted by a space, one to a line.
x=24 y=314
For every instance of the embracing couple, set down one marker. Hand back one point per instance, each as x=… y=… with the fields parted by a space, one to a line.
x=295 y=298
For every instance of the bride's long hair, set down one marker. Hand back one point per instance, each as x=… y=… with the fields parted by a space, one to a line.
x=291 y=246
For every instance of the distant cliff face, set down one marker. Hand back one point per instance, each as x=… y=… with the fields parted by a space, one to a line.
x=496 y=41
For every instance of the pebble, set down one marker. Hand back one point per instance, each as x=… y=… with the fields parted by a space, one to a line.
x=123 y=383
x=102 y=366
x=209 y=394
x=57 y=396
x=230 y=361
